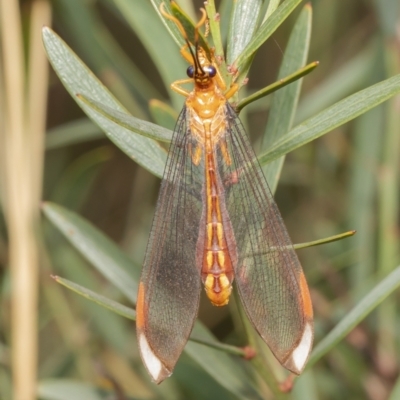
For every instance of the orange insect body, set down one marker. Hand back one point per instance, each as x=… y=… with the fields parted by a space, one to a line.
x=201 y=231
x=206 y=106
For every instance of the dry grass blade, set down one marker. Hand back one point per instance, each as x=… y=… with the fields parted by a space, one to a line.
x=23 y=144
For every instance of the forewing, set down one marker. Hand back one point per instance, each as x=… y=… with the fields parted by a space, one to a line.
x=169 y=288
x=268 y=273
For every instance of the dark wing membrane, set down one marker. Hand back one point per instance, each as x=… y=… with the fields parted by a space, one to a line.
x=170 y=283
x=268 y=273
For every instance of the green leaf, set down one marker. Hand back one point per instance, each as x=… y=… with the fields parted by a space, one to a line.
x=66 y=389
x=244 y=19
x=172 y=28
x=102 y=51
x=224 y=10
x=356 y=315
x=306 y=387
x=343 y=81
x=221 y=366
x=105 y=256
x=160 y=46
x=163 y=114
x=326 y=240
x=284 y=101
x=388 y=12
x=273 y=87
x=272 y=6
x=361 y=196
x=81 y=130
x=265 y=31
x=332 y=117
x=188 y=26
x=214 y=19
x=103 y=301
x=75 y=184
x=395 y=393
x=78 y=79
x=128 y=121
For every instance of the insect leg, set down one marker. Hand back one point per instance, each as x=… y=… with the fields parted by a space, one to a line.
x=231 y=91
x=176 y=86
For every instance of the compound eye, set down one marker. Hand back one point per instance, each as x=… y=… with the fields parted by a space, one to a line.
x=211 y=70
x=190 y=71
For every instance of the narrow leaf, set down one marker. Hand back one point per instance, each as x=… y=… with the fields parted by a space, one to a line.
x=158 y=43
x=170 y=25
x=189 y=26
x=266 y=30
x=332 y=117
x=78 y=79
x=395 y=393
x=356 y=315
x=82 y=130
x=272 y=6
x=281 y=83
x=163 y=114
x=343 y=81
x=103 y=52
x=128 y=121
x=105 y=256
x=103 y=301
x=66 y=389
x=222 y=367
x=215 y=29
x=284 y=102
x=244 y=19
x=326 y=240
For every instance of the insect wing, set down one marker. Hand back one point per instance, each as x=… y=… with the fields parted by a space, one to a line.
x=170 y=284
x=268 y=273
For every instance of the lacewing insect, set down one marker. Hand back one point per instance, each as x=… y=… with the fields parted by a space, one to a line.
x=216 y=221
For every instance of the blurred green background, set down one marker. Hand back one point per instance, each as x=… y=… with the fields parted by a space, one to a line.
x=347 y=179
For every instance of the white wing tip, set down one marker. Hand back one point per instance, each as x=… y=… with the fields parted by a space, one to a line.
x=153 y=364
x=300 y=353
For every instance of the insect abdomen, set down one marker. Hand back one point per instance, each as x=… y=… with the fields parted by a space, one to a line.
x=217 y=270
